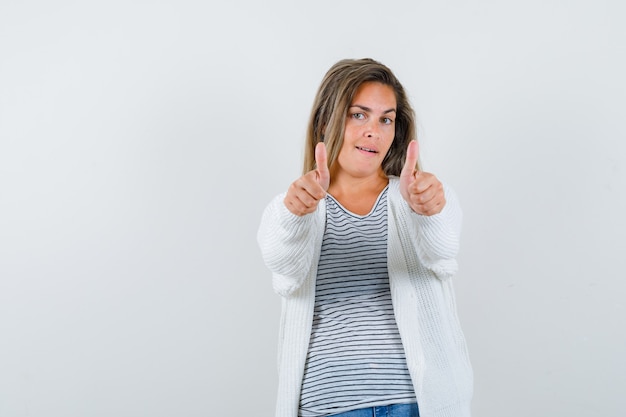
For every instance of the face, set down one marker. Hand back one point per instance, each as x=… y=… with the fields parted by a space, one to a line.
x=369 y=132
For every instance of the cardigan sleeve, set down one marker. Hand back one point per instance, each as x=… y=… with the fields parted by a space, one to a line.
x=287 y=243
x=437 y=237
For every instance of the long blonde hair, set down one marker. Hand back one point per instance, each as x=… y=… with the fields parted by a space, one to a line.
x=331 y=104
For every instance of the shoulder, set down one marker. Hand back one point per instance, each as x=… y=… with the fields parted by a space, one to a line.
x=394 y=184
x=394 y=188
x=276 y=216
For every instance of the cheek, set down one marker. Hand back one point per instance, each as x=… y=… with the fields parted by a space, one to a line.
x=345 y=145
x=350 y=131
x=390 y=135
x=390 y=140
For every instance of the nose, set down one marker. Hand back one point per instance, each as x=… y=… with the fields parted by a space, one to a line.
x=372 y=130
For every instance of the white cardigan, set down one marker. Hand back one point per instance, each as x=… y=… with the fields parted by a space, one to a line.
x=421 y=260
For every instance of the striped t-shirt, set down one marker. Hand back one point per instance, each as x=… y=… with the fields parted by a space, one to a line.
x=355 y=356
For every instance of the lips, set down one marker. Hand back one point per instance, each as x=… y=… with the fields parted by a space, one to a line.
x=361 y=148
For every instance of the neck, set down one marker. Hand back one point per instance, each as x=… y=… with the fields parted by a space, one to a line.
x=347 y=184
x=357 y=194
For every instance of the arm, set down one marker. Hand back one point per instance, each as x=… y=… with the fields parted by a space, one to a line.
x=434 y=216
x=287 y=243
x=289 y=231
x=437 y=237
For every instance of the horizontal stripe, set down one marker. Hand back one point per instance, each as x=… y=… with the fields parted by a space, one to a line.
x=355 y=355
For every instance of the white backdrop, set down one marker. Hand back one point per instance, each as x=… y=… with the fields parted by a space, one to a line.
x=140 y=142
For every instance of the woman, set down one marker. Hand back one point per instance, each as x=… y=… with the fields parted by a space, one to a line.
x=362 y=248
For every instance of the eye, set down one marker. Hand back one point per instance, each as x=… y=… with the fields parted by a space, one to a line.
x=387 y=120
x=358 y=116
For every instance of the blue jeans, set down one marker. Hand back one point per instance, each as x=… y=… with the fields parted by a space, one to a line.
x=394 y=410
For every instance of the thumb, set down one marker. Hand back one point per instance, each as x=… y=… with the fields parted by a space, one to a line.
x=412 y=153
x=321 y=161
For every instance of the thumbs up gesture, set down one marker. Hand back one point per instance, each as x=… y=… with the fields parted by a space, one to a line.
x=422 y=190
x=305 y=193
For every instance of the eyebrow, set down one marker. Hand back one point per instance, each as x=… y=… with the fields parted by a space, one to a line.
x=367 y=109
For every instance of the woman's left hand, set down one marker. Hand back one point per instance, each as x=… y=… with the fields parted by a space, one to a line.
x=422 y=190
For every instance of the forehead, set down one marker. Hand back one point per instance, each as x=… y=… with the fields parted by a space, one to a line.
x=372 y=92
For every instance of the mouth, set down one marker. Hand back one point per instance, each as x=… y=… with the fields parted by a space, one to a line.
x=361 y=148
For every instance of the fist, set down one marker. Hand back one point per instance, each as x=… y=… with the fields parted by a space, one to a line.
x=306 y=192
x=422 y=190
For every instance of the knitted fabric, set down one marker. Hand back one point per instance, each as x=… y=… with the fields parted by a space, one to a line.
x=421 y=261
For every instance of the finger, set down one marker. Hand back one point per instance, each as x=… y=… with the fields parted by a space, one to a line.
x=299 y=201
x=310 y=198
x=431 y=208
x=434 y=206
x=422 y=182
x=412 y=153
x=296 y=207
x=421 y=194
x=308 y=186
x=321 y=161
x=430 y=199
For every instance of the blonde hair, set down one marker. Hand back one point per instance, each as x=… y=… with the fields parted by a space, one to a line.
x=331 y=104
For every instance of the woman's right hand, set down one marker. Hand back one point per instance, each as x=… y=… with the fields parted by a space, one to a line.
x=306 y=192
